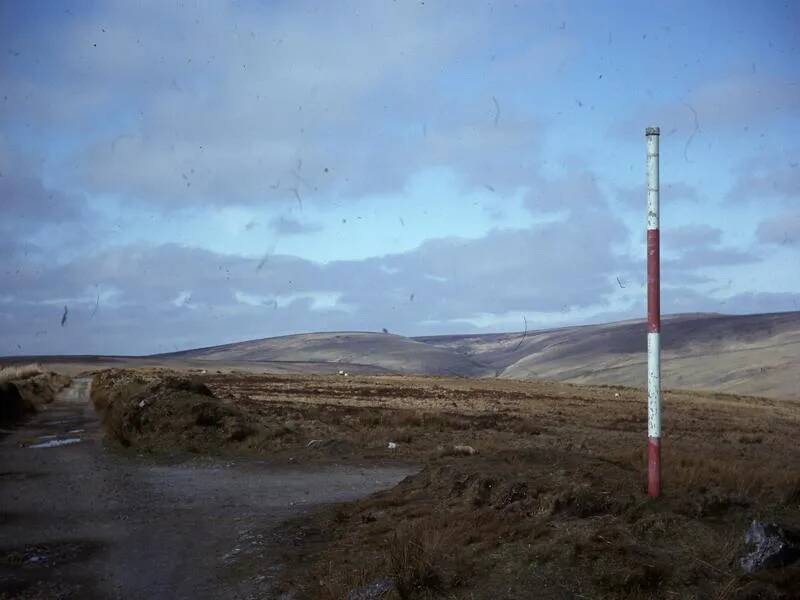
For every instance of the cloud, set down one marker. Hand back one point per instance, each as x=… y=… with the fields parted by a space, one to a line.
x=704 y=257
x=717 y=104
x=26 y=201
x=782 y=230
x=248 y=98
x=691 y=236
x=690 y=251
x=289 y=226
x=766 y=179
x=577 y=190
x=181 y=292
x=238 y=113
x=192 y=297
x=248 y=106
x=34 y=217
x=188 y=294
x=685 y=300
x=634 y=198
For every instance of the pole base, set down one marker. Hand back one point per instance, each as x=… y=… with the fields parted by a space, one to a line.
x=653 y=467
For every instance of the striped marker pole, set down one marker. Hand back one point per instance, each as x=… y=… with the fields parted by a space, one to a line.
x=653 y=320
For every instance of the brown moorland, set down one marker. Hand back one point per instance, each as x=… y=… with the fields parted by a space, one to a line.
x=548 y=500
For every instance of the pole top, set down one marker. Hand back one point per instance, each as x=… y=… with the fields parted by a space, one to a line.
x=652 y=131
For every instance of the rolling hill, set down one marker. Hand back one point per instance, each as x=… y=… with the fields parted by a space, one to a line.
x=747 y=354
x=742 y=354
x=379 y=352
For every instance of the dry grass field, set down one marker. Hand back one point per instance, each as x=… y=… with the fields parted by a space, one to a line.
x=549 y=496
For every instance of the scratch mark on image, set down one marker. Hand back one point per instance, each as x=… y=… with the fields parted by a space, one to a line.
x=96 y=306
x=303 y=180
x=118 y=139
x=524 y=333
x=496 y=111
x=64 y=316
x=296 y=193
x=619 y=282
x=694 y=132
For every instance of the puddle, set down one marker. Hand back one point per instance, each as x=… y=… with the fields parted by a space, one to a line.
x=35 y=558
x=55 y=443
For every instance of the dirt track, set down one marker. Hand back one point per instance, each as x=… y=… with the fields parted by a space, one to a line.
x=80 y=520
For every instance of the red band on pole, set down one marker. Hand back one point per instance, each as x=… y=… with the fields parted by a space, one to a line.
x=653 y=467
x=653 y=283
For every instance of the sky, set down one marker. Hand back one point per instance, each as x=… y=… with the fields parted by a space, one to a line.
x=183 y=174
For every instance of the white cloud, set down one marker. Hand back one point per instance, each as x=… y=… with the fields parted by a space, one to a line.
x=183 y=299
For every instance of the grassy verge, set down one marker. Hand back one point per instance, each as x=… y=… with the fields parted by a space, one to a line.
x=545 y=524
x=26 y=389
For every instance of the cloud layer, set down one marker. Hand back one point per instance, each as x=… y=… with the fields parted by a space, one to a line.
x=158 y=159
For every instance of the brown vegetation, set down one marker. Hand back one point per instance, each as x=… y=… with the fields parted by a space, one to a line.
x=551 y=504
x=20 y=372
x=166 y=413
x=25 y=389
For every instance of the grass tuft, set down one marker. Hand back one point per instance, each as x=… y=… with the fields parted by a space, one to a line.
x=18 y=372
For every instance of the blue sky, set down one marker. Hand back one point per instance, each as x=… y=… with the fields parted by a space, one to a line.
x=191 y=173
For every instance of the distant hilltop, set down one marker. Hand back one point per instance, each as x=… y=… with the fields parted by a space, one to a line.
x=741 y=354
x=746 y=354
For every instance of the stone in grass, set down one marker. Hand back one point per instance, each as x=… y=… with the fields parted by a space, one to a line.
x=464 y=450
x=770 y=546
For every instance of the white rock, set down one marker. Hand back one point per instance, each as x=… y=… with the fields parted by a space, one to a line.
x=392 y=446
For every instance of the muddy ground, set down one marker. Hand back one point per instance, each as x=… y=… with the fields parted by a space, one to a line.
x=527 y=489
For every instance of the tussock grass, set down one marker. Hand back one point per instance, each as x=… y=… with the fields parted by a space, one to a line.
x=18 y=372
x=418 y=553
